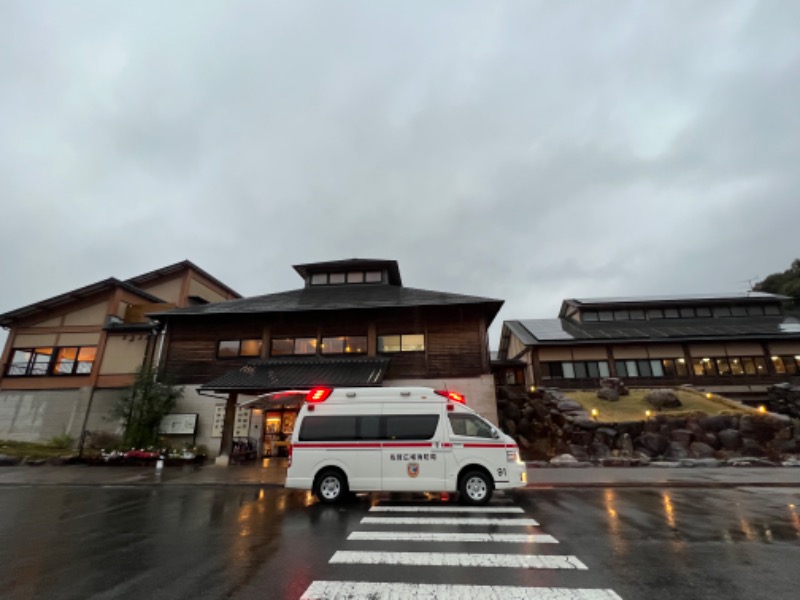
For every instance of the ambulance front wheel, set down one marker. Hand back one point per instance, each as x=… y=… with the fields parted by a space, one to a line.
x=475 y=488
x=331 y=486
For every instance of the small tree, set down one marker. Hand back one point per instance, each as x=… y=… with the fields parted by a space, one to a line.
x=143 y=406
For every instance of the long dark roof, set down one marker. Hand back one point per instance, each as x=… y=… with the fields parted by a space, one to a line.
x=9 y=318
x=565 y=331
x=282 y=374
x=342 y=297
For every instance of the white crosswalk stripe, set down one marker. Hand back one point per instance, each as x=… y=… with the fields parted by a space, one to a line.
x=438 y=509
x=425 y=536
x=362 y=590
x=449 y=521
x=457 y=559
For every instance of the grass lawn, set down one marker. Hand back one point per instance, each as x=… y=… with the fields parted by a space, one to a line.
x=633 y=407
x=32 y=450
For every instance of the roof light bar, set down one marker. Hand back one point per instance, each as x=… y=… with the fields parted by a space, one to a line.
x=318 y=394
x=454 y=396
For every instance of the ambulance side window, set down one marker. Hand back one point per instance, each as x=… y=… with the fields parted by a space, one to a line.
x=411 y=427
x=369 y=428
x=470 y=426
x=326 y=429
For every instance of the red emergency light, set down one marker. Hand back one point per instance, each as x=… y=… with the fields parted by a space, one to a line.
x=454 y=396
x=318 y=394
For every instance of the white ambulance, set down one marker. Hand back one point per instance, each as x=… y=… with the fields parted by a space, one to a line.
x=396 y=440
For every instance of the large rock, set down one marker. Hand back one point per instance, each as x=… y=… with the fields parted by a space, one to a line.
x=625 y=445
x=683 y=436
x=660 y=399
x=568 y=405
x=717 y=423
x=701 y=450
x=677 y=451
x=654 y=443
x=599 y=450
x=730 y=439
x=8 y=461
x=510 y=427
x=608 y=394
x=579 y=452
x=513 y=413
x=751 y=447
x=606 y=435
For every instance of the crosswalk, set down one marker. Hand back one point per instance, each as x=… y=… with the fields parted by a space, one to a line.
x=426 y=549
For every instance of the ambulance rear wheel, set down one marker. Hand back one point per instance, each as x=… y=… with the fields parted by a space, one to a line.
x=475 y=488
x=331 y=486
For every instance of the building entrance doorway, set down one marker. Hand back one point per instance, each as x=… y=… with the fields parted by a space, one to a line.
x=278 y=427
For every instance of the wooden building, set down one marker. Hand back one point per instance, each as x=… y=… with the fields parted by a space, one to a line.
x=67 y=358
x=352 y=323
x=735 y=344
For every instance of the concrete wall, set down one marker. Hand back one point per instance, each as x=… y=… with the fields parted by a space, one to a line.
x=203 y=406
x=37 y=416
x=169 y=291
x=91 y=315
x=196 y=288
x=123 y=354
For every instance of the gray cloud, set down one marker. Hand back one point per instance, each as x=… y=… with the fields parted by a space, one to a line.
x=526 y=151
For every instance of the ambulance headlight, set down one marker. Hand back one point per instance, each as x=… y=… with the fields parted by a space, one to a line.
x=512 y=455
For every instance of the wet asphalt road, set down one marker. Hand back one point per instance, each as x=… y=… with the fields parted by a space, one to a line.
x=95 y=542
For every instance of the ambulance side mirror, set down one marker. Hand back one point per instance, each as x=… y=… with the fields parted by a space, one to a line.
x=495 y=434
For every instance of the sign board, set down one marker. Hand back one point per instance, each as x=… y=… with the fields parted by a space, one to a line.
x=178 y=424
x=241 y=422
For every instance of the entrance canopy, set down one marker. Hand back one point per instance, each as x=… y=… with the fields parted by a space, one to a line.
x=261 y=377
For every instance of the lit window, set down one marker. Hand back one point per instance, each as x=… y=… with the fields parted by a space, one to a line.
x=237 y=348
x=344 y=344
x=374 y=276
x=305 y=345
x=74 y=361
x=409 y=342
x=228 y=349
x=282 y=347
x=355 y=277
x=250 y=348
x=319 y=279
x=30 y=361
x=336 y=278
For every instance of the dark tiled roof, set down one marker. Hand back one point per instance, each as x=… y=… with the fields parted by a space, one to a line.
x=282 y=374
x=337 y=298
x=538 y=331
x=8 y=319
x=737 y=297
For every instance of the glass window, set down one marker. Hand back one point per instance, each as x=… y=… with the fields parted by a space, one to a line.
x=637 y=315
x=469 y=425
x=282 y=347
x=319 y=279
x=19 y=362
x=722 y=311
x=411 y=427
x=369 y=427
x=620 y=315
x=755 y=311
x=703 y=311
x=603 y=367
x=374 y=276
x=633 y=371
x=40 y=361
x=589 y=316
x=333 y=345
x=336 y=278
x=657 y=368
x=622 y=369
x=355 y=277
x=569 y=370
x=761 y=365
x=344 y=344
x=228 y=349
x=777 y=365
x=697 y=367
x=408 y=342
x=749 y=366
x=250 y=348
x=593 y=370
x=681 y=367
x=65 y=361
x=739 y=311
x=413 y=343
x=580 y=370
x=671 y=313
x=668 y=367
x=85 y=360
x=772 y=309
x=723 y=366
x=388 y=343
x=789 y=365
x=687 y=313
x=551 y=370
x=305 y=345
x=644 y=368
x=655 y=313
x=736 y=366
x=325 y=428
x=606 y=315
x=709 y=366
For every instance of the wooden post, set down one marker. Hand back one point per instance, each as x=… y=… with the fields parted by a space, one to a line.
x=226 y=443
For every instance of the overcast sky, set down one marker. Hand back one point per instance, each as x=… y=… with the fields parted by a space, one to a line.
x=527 y=151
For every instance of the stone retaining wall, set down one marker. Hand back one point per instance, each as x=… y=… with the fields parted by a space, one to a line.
x=547 y=423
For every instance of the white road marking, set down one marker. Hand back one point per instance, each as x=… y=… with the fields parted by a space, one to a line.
x=424 y=536
x=457 y=559
x=448 y=521
x=363 y=590
x=464 y=509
